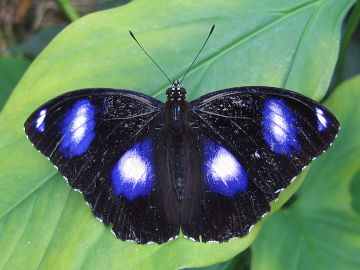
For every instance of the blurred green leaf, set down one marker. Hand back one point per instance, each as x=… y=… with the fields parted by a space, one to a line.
x=355 y=192
x=37 y=42
x=11 y=70
x=44 y=223
x=344 y=56
x=321 y=230
x=240 y=262
x=111 y=4
x=352 y=62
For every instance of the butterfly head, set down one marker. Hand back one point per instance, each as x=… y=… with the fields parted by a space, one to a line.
x=176 y=93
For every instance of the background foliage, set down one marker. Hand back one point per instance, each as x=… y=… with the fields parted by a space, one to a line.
x=292 y=44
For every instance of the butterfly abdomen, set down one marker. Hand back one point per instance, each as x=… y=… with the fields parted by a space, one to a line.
x=175 y=117
x=176 y=128
x=177 y=163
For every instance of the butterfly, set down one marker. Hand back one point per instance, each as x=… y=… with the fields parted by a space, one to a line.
x=208 y=168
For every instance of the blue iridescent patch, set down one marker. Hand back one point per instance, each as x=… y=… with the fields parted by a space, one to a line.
x=77 y=128
x=223 y=172
x=322 y=122
x=133 y=174
x=40 y=121
x=279 y=127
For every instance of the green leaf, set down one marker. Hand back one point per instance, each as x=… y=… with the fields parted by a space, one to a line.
x=240 y=262
x=355 y=192
x=34 y=45
x=11 y=70
x=44 y=223
x=321 y=229
x=351 y=25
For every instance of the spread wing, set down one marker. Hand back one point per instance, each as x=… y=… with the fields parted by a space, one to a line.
x=102 y=142
x=253 y=141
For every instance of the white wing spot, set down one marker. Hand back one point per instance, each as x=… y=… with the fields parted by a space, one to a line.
x=279 y=126
x=39 y=122
x=322 y=121
x=132 y=167
x=224 y=166
x=78 y=127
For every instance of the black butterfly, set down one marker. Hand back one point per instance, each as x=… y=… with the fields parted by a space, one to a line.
x=210 y=166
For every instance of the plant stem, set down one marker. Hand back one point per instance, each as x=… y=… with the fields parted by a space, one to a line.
x=69 y=10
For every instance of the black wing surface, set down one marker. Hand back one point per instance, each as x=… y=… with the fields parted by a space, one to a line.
x=91 y=135
x=254 y=141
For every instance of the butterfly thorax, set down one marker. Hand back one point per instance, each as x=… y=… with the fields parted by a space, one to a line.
x=176 y=109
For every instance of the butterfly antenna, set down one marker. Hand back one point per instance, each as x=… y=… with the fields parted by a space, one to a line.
x=132 y=35
x=212 y=29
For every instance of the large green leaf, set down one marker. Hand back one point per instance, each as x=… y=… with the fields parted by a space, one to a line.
x=44 y=223
x=321 y=229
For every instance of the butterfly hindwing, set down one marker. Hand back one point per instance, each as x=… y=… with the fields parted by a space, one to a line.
x=220 y=201
x=103 y=142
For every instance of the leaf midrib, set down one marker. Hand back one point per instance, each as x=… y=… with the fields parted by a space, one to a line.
x=27 y=195
x=227 y=48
